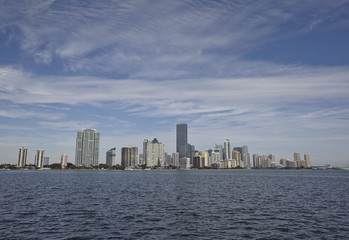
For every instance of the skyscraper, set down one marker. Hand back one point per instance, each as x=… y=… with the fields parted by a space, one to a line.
x=227 y=150
x=129 y=156
x=22 y=157
x=110 y=157
x=181 y=139
x=39 y=158
x=87 y=148
x=153 y=153
x=307 y=160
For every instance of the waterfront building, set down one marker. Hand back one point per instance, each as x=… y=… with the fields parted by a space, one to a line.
x=307 y=160
x=297 y=159
x=46 y=162
x=87 y=148
x=153 y=153
x=227 y=150
x=236 y=155
x=111 y=157
x=141 y=159
x=190 y=152
x=168 y=159
x=39 y=158
x=175 y=159
x=129 y=156
x=184 y=163
x=246 y=157
x=64 y=161
x=22 y=157
x=181 y=139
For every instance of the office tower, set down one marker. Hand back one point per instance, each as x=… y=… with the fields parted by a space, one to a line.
x=168 y=161
x=219 y=148
x=129 y=156
x=22 y=157
x=110 y=157
x=46 y=161
x=39 y=158
x=153 y=153
x=181 y=139
x=175 y=159
x=87 y=148
x=246 y=156
x=64 y=161
x=307 y=160
x=206 y=159
x=190 y=152
x=227 y=150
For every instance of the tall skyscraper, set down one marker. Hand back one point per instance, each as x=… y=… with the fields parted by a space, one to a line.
x=39 y=158
x=153 y=153
x=227 y=150
x=307 y=160
x=87 y=148
x=129 y=156
x=22 y=157
x=175 y=159
x=64 y=161
x=297 y=159
x=181 y=139
x=110 y=157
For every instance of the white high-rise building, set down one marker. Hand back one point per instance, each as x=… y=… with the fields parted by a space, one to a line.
x=22 y=157
x=175 y=159
x=153 y=153
x=227 y=150
x=110 y=157
x=87 y=148
x=307 y=160
x=39 y=158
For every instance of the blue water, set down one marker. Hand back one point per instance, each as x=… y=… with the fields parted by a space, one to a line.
x=204 y=204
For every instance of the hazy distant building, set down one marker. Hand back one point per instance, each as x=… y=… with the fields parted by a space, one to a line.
x=153 y=153
x=307 y=160
x=227 y=150
x=141 y=159
x=87 y=148
x=22 y=157
x=39 y=158
x=64 y=161
x=46 y=161
x=181 y=139
x=245 y=157
x=129 y=156
x=110 y=157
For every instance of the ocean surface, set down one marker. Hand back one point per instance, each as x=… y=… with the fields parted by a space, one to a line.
x=202 y=204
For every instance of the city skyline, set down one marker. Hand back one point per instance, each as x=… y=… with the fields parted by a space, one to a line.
x=269 y=75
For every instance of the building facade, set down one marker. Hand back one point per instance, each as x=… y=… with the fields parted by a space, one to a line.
x=181 y=139
x=22 y=157
x=87 y=148
x=110 y=157
x=129 y=156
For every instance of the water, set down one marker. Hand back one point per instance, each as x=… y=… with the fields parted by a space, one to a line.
x=207 y=204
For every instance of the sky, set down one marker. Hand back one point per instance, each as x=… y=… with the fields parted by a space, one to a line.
x=272 y=75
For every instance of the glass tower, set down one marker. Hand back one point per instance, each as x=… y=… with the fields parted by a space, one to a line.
x=182 y=139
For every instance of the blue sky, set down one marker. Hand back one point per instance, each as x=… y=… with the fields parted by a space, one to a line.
x=272 y=75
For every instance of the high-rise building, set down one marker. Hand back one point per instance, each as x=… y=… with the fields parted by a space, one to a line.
x=153 y=153
x=227 y=150
x=22 y=157
x=236 y=155
x=64 y=161
x=297 y=159
x=87 y=148
x=110 y=157
x=175 y=159
x=181 y=139
x=307 y=160
x=39 y=158
x=129 y=156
